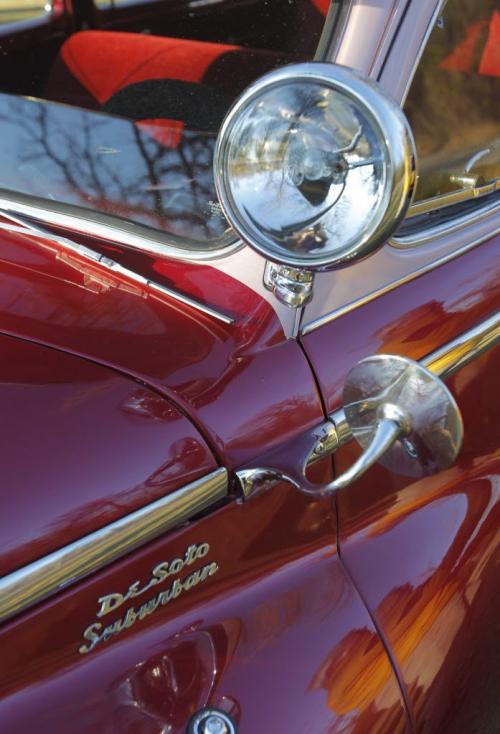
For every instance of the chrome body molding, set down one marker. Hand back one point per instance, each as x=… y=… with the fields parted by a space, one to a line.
x=443 y=362
x=114 y=229
x=64 y=567
x=327 y=318
x=468 y=346
x=25 y=226
x=176 y=296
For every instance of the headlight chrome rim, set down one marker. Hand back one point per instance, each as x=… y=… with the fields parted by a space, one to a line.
x=393 y=132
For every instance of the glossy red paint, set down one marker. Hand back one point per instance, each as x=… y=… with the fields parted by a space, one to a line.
x=412 y=320
x=276 y=635
x=423 y=554
x=81 y=446
x=229 y=379
x=113 y=395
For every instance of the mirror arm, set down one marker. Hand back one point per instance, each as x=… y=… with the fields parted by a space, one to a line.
x=388 y=431
x=393 y=425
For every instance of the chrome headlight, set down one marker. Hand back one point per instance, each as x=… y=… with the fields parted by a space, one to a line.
x=314 y=165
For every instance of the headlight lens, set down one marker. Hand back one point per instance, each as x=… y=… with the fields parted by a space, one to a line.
x=304 y=171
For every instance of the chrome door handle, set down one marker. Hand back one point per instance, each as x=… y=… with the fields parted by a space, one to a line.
x=403 y=416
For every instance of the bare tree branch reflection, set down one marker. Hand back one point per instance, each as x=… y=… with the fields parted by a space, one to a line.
x=110 y=164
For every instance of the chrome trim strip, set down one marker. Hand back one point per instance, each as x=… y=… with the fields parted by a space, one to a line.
x=453 y=198
x=64 y=567
x=189 y=302
x=456 y=354
x=444 y=362
x=113 y=229
x=28 y=228
x=333 y=30
x=333 y=315
x=432 y=22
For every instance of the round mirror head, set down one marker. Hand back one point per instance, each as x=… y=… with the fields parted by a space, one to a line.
x=314 y=165
x=434 y=434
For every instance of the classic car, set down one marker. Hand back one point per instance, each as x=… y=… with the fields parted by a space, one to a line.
x=249 y=317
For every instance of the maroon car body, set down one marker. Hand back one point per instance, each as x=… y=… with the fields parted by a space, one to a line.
x=375 y=610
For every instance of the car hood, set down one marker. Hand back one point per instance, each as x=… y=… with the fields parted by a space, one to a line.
x=81 y=446
x=115 y=394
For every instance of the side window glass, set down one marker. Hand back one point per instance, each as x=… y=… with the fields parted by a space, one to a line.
x=454 y=104
x=118 y=113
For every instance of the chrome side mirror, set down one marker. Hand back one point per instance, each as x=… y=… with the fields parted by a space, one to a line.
x=402 y=415
x=314 y=166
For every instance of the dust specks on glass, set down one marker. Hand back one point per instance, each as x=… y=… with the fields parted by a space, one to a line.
x=115 y=105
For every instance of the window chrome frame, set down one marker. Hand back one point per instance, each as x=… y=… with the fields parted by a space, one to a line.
x=333 y=29
x=110 y=228
x=454 y=223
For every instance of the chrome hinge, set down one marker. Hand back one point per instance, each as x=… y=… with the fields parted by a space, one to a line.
x=291 y=286
x=325 y=440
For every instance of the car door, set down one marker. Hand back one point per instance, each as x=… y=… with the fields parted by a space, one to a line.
x=424 y=553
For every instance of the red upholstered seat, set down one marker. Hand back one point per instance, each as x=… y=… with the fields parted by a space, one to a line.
x=322 y=5
x=161 y=83
x=490 y=60
x=103 y=62
x=464 y=56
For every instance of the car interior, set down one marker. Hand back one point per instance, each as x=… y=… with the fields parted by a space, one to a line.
x=169 y=68
x=454 y=102
x=157 y=60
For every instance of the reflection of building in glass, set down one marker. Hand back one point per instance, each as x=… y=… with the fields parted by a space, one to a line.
x=13 y=11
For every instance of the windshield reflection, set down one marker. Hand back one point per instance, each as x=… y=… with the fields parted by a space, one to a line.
x=157 y=176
